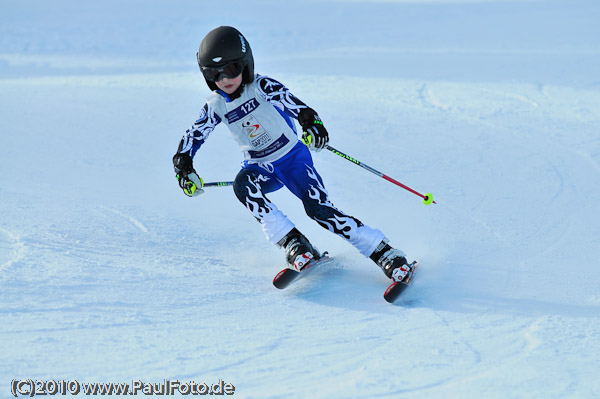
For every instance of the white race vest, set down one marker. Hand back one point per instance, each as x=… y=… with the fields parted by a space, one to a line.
x=263 y=132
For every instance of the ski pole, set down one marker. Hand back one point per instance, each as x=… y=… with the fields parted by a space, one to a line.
x=218 y=184
x=427 y=198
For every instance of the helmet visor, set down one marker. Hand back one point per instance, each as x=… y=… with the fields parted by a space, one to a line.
x=229 y=70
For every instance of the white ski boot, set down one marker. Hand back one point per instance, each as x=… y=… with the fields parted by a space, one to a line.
x=298 y=250
x=392 y=261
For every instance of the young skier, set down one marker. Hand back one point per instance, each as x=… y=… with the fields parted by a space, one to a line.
x=260 y=112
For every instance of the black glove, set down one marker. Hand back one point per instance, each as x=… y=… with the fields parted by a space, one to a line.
x=188 y=180
x=314 y=134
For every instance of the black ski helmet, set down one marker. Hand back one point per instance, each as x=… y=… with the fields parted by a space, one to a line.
x=223 y=45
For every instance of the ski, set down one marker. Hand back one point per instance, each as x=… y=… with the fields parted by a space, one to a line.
x=288 y=276
x=396 y=288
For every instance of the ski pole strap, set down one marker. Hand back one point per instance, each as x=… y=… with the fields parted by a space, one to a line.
x=427 y=198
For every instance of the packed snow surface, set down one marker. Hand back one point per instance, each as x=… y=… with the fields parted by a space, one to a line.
x=109 y=273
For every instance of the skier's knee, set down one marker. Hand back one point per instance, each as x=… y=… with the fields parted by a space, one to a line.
x=244 y=183
x=320 y=209
x=313 y=204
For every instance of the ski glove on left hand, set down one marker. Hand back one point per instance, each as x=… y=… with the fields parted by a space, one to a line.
x=189 y=181
x=314 y=135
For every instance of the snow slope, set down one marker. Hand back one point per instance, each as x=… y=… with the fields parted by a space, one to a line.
x=109 y=273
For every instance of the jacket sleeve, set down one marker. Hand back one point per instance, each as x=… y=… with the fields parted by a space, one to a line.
x=280 y=96
x=197 y=134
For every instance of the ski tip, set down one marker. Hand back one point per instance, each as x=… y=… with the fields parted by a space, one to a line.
x=389 y=289
x=278 y=276
x=393 y=291
x=396 y=288
x=288 y=275
x=285 y=278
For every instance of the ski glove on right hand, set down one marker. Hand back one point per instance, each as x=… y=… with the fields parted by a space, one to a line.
x=189 y=181
x=314 y=135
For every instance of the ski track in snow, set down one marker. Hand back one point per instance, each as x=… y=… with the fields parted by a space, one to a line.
x=130 y=219
x=11 y=249
x=109 y=273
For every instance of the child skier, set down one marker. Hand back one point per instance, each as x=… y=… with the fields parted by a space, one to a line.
x=259 y=112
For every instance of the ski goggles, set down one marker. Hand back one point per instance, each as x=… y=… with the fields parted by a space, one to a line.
x=229 y=70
